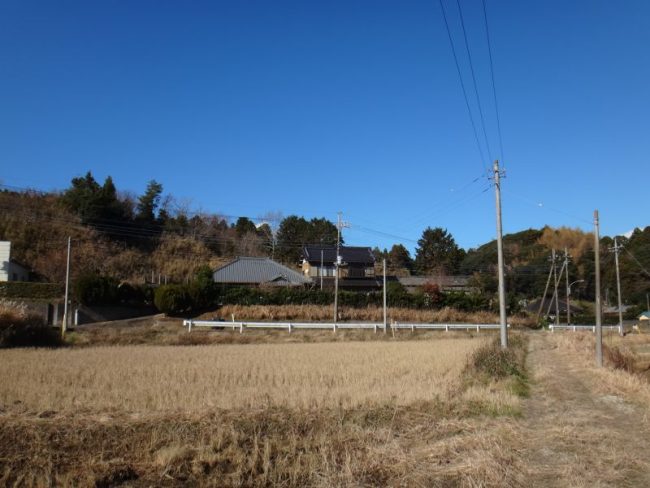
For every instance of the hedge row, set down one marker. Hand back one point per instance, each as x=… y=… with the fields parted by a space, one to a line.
x=29 y=290
x=183 y=299
x=396 y=297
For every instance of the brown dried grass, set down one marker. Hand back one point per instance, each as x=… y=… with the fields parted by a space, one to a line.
x=320 y=313
x=613 y=379
x=418 y=445
x=189 y=379
x=411 y=426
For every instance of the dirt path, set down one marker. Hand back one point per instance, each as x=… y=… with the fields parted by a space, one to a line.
x=573 y=435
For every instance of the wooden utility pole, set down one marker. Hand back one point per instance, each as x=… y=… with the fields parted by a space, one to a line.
x=568 y=291
x=385 y=310
x=502 y=286
x=616 y=250
x=339 y=225
x=548 y=282
x=555 y=282
x=321 y=269
x=64 y=323
x=599 y=325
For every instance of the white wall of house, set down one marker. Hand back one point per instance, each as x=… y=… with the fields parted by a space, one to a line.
x=10 y=271
x=5 y=254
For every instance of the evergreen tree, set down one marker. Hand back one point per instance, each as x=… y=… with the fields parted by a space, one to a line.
x=149 y=202
x=399 y=257
x=294 y=232
x=437 y=252
x=93 y=203
x=244 y=226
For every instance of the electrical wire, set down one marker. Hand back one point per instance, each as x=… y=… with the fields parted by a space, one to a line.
x=637 y=261
x=471 y=68
x=462 y=85
x=494 y=89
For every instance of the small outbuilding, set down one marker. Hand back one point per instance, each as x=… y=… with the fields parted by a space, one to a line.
x=253 y=271
x=645 y=317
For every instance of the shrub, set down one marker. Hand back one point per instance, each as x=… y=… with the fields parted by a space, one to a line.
x=20 y=329
x=93 y=289
x=172 y=299
x=129 y=294
x=432 y=295
x=496 y=362
x=467 y=302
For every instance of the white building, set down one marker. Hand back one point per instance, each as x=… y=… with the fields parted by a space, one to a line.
x=11 y=270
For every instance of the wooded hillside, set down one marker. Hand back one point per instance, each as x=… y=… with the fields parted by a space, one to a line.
x=139 y=238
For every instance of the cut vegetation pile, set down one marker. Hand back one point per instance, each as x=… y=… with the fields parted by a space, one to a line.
x=337 y=414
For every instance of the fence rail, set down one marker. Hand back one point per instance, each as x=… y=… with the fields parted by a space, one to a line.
x=215 y=324
x=575 y=328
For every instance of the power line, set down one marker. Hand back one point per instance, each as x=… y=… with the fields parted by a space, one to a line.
x=494 y=90
x=637 y=261
x=462 y=85
x=471 y=68
x=544 y=206
x=443 y=202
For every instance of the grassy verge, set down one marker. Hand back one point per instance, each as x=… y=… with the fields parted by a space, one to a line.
x=500 y=377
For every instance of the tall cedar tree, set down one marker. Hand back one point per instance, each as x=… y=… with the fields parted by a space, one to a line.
x=244 y=226
x=149 y=202
x=294 y=232
x=437 y=252
x=400 y=258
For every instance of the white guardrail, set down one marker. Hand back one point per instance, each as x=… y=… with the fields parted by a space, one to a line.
x=216 y=324
x=575 y=328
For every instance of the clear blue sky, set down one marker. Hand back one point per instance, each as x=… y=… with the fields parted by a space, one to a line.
x=312 y=107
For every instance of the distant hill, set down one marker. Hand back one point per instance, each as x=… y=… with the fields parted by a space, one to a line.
x=139 y=238
x=527 y=257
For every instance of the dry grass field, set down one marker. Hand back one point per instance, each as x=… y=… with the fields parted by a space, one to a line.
x=156 y=406
x=193 y=379
x=374 y=413
x=144 y=403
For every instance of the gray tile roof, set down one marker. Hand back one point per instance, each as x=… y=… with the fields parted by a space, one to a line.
x=349 y=254
x=248 y=270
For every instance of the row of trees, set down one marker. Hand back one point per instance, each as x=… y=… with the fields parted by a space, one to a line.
x=135 y=219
